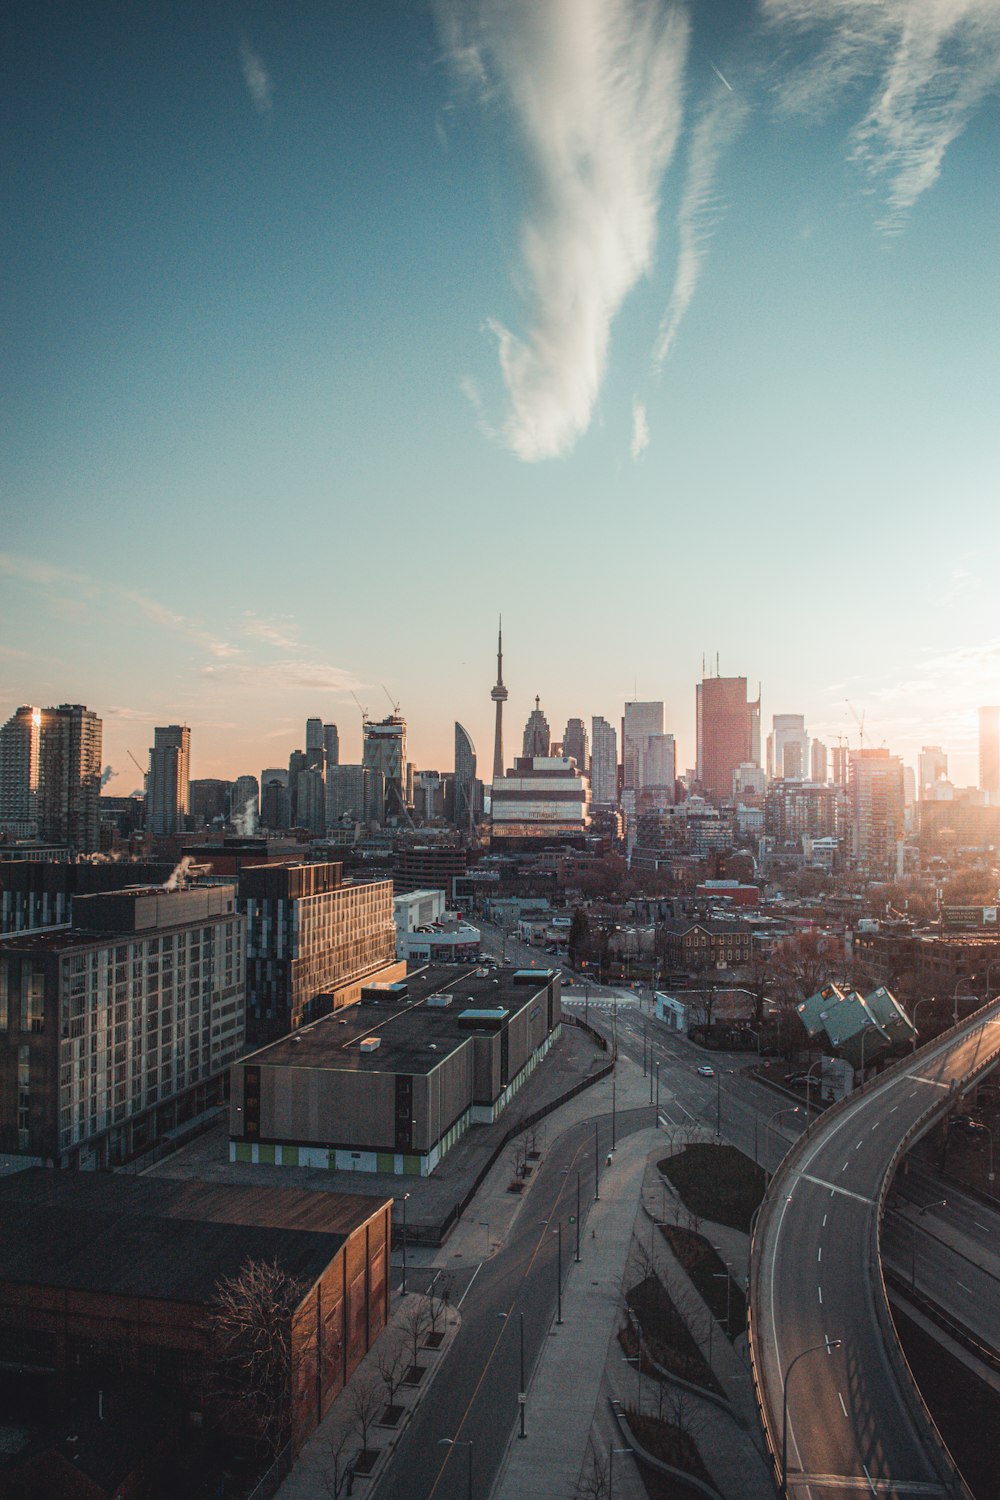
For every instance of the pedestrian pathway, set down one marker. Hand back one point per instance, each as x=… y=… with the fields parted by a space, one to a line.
x=566 y=1396
x=314 y=1469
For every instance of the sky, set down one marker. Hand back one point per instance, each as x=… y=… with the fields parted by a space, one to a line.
x=333 y=331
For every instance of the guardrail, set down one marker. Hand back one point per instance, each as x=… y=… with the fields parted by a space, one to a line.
x=909 y=1390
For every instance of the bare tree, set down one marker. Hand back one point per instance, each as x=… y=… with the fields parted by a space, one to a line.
x=414 y=1321
x=339 y=1471
x=365 y=1395
x=251 y=1328
x=594 y=1480
x=438 y=1300
x=393 y=1362
x=536 y=1138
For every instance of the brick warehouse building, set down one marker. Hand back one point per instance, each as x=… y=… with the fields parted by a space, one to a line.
x=103 y=1274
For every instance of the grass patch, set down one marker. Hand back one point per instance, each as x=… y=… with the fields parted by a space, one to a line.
x=717 y=1183
x=709 y=1275
x=669 y=1443
x=966 y=1409
x=666 y=1336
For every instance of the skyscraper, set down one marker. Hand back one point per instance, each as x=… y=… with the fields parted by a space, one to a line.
x=728 y=732
x=331 y=744
x=499 y=697
x=788 y=747
x=465 y=779
x=315 y=750
x=877 y=802
x=989 y=752
x=818 y=763
x=69 y=777
x=932 y=767
x=640 y=721
x=19 y=757
x=167 y=786
x=658 y=768
x=537 y=737
x=244 y=805
x=385 y=751
x=604 y=764
x=575 y=744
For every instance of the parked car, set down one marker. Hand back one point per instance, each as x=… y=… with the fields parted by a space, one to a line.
x=704 y=1071
x=798 y=1080
x=969 y=1126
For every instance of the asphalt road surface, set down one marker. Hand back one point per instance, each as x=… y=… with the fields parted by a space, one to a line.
x=848 y=1423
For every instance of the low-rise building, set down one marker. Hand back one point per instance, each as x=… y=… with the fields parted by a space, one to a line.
x=391 y=1084
x=545 y=798
x=102 y=1274
x=712 y=943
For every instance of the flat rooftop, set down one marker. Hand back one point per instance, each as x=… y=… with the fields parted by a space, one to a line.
x=414 y=1033
x=152 y=1237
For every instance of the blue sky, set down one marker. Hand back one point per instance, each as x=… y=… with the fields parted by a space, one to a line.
x=330 y=331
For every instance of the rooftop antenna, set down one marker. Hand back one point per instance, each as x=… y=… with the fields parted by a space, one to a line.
x=716 y=663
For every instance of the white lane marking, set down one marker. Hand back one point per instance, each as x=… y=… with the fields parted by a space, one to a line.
x=844 y=1192
x=825 y=1217
x=964 y=1287
x=468 y=1289
x=819 y=1253
x=842 y=1406
x=820 y=1290
x=875 y=1126
x=894 y=1109
x=981 y=1226
x=870 y=1479
x=845 y=1166
x=859 y=1145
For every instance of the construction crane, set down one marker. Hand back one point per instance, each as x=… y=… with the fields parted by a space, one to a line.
x=363 y=711
x=393 y=706
x=860 y=720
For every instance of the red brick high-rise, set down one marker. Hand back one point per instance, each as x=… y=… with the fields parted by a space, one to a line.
x=728 y=733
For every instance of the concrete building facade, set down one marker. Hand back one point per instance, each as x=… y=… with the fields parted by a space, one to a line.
x=604 y=763
x=311 y=943
x=392 y=1084
x=117 y=1029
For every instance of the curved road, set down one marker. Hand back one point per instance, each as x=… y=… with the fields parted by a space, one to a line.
x=850 y=1427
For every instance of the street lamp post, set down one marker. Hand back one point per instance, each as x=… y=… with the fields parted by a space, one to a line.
x=577 y=1218
x=817 y=1064
x=406 y=1198
x=828 y=1344
x=522 y=1395
x=777 y=1113
x=559 y=1280
x=954 y=999
x=718 y=1103
x=597 y=1167
x=485 y=1224
x=657 y=1095
x=612 y=1450
x=460 y=1443
x=614 y=1110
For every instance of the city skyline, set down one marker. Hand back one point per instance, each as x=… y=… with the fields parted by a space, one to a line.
x=277 y=287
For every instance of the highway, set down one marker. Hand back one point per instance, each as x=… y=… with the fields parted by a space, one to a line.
x=852 y=1428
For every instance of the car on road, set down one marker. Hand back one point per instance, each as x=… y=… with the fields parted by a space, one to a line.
x=968 y=1125
x=798 y=1080
x=705 y=1071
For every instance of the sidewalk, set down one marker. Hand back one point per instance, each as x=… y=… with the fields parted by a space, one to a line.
x=566 y=1399
x=315 y=1463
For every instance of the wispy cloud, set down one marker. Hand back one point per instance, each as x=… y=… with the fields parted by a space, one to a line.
x=640 y=429
x=256 y=78
x=700 y=208
x=281 y=632
x=933 y=63
x=594 y=88
x=311 y=675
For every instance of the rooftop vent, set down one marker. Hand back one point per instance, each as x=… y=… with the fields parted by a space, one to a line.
x=370 y=1043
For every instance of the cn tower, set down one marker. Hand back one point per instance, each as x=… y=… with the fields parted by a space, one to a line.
x=499 y=696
